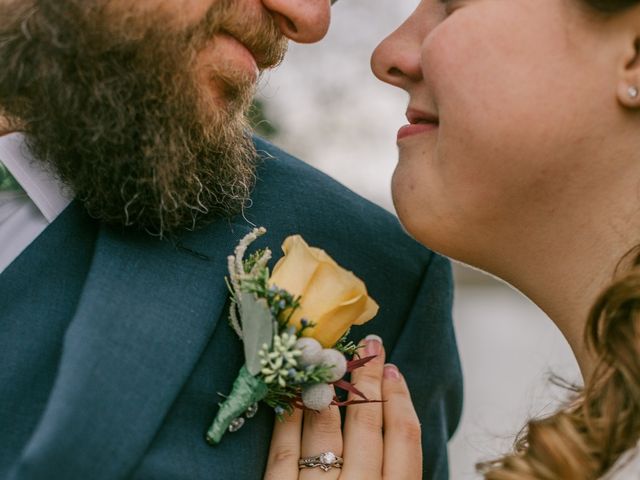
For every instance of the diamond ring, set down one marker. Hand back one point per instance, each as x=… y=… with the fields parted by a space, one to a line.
x=326 y=461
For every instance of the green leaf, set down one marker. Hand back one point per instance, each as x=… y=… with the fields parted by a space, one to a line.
x=257 y=329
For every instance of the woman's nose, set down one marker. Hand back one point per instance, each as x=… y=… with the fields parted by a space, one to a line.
x=397 y=62
x=303 y=21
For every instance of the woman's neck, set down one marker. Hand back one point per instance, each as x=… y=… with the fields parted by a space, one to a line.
x=568 y=295
x=566 y=268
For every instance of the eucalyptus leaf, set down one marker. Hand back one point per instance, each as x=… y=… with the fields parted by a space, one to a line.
x=257 y=329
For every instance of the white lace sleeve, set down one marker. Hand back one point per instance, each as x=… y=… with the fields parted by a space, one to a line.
x=627 y=467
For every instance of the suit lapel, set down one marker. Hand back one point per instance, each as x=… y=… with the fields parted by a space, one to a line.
x=145 y=316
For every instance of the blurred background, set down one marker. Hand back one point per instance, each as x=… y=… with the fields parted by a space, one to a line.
x=324 y=106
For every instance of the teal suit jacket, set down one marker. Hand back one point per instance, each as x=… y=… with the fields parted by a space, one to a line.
x=114 y=343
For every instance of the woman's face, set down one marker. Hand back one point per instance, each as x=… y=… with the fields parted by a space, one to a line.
x=511 y=101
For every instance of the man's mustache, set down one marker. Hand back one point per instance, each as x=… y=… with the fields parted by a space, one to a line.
x=256 y=30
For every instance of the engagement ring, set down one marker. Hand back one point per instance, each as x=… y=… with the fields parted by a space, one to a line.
x=326 y=461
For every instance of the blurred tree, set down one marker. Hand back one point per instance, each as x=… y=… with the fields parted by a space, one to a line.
x=262 y=125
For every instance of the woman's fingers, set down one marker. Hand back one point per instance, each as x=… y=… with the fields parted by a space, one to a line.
x=363 y=447
x=402 y=435
x=285 y=448
x=314 y=433
x=321 y=432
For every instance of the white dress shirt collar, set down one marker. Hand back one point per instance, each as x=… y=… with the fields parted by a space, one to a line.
x=42 y=186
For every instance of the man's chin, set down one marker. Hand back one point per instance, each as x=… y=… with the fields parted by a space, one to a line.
x=174 y=223
x=158 y=220
x=226 y=92
x=185 y=190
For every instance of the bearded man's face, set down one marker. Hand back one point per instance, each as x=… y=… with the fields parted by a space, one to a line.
x=140 y=111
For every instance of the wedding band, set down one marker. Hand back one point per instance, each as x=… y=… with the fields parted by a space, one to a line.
x=326 y=461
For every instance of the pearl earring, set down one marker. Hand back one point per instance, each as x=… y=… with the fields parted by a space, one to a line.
x=633 y=92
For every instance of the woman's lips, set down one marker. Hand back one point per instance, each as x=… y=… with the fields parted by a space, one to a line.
x=419 y=122
x=415 y=129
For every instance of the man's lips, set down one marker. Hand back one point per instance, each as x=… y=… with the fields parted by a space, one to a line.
x=259 y=50
x=238 y=52
x=419 y=122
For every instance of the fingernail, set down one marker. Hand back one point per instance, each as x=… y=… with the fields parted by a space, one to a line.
x=391 y=371
x=374 y=345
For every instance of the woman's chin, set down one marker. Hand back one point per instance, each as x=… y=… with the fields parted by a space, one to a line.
x=435 y=233
x=425 y=232
x=413 y=209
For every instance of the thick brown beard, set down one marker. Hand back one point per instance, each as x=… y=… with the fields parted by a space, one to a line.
x=115 y=109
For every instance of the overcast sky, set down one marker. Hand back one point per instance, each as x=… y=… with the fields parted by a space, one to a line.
x=331 y=110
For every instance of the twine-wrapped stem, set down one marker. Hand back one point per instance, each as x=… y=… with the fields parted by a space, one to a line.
x=246 y=391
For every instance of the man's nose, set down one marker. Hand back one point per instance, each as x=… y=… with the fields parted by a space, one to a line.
x=303 y=21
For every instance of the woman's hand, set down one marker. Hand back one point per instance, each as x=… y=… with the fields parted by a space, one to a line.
x=379 y=441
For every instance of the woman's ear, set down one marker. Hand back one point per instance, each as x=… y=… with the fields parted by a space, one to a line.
x=628 y=91
x=627 y=25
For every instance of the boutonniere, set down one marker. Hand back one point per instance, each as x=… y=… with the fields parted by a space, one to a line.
x=293 y=324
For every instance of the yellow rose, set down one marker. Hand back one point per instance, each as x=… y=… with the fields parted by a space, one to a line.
x=331 y=297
